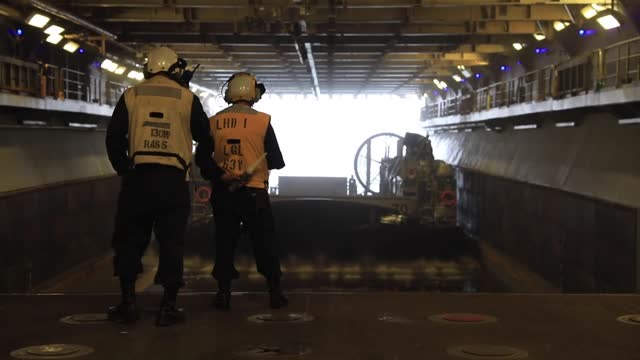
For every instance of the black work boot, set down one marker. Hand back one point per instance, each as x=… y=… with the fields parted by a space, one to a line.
x=277 y=299
x=223 y=297
x=126 y=312
x=169 y=313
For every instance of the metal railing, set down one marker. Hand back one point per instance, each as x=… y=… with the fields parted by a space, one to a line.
x=74 y=84
x=19 y=76
x=610 y=67
x=47 y=80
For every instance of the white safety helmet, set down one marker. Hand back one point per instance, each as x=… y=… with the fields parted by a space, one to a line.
x=243 y=86
x=161 y=59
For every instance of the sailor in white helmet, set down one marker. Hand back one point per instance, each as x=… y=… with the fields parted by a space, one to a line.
x=150 y=144
x=246 y=149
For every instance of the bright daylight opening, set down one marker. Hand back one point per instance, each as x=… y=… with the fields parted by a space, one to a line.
x=320 y=137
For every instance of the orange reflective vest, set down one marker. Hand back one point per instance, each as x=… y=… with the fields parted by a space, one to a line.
x=238 y=133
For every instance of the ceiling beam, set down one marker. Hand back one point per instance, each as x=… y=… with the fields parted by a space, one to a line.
x=446 y=15
x=322 y=4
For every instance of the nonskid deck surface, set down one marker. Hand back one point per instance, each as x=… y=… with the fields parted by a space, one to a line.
x=386 y=326
x=459 y=274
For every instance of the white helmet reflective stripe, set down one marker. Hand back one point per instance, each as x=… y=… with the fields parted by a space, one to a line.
x=160 y=59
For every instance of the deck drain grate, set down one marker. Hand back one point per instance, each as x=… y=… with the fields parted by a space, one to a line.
x=281 y=318
x=52 y=351
x=630 y=319
x=271 y=351
x=463 y=318
x=393 y=319
x=483 y=351
x=93 y=318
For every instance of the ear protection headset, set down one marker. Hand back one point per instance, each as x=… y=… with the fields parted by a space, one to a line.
x=243 y=86
x=175 y=71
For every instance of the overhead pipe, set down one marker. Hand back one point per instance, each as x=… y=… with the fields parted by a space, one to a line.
x=305 y=54
x=312 y=69
x=6 y=10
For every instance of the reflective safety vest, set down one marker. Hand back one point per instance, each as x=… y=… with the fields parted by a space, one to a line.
x=160 y=123
x=238 y=133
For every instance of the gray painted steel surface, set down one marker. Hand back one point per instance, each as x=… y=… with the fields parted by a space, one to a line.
x=34 y=157
x=312 y=186
x=577 y=244
x=49 y=104
x=598 y=159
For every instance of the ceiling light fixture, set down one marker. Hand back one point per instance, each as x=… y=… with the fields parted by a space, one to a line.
x=560 y=25
x=54 y=30
x=38 y=20
x=71 y=46
x=54 y=39
x=608 y=22
x=109 y=65
x=539 y=36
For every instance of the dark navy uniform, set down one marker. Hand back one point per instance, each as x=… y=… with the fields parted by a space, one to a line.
x=241 y=136
x=149 y=143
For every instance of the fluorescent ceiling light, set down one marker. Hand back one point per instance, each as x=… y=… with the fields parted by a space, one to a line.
x=120 y=70
x=539 y=36
x=629 y=121
x=608 y=22
x=106 y=63
x=588 y=12
x=457 y=78
x=38 y=20
x=54 y=30
x=135 y=75
x=34 y=123
x=466 y=73
x=109 y=65
x=525 y=127
x=566 y=124
x=54 y=39
x=461 y=67
x=440 y=84
x=71 y=46
x=82 y=125
x=518 y=46
x=560 y=25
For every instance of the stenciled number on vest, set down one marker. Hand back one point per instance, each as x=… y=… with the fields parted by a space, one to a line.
x=159 y=139
x=159 y=135
x=233 y=160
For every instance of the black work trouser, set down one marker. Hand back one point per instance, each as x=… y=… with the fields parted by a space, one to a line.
x=251 y=208
x=152 y=198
